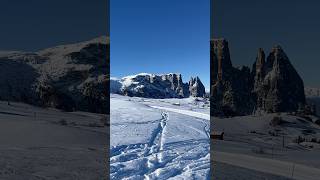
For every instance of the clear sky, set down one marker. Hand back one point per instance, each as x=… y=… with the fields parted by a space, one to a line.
x=30 y=25
x=160 y=36
x=250 y=24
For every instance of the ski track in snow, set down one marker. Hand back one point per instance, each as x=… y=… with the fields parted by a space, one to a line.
x=160 y=158
x=186 y=112
x=199 y=115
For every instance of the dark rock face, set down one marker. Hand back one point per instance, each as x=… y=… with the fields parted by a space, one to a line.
x=273 y=85
x=258 y=71
x=196 y=88
x=282 y=88
x=221 y=65
x=230 y=87
x=176 y=84
x=157 y=86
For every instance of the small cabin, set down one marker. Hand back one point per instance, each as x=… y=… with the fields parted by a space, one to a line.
x=217 y=135
x=176 y=103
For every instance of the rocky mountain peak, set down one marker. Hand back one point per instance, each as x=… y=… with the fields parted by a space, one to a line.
x=260 y=61
x=258 y=69
x=276 y=48
x=176 y=83
x=229 y=85
x=196 y=87
x=283 y=88
x=221 y=59
x=276 y=57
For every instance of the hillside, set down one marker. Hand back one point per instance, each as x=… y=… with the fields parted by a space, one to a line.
x=69 y=77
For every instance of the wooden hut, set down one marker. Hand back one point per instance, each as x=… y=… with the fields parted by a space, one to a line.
x=217 y=135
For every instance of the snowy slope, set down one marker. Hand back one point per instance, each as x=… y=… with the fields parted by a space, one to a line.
x=153 y=143
x=270 y=166
x=39 y=143
x=260 y=143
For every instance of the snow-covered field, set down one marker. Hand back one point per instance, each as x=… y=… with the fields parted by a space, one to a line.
x=270 y=148
x=39 y=143
x=159 y=138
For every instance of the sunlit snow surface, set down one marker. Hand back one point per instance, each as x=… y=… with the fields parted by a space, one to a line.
x=151 y=142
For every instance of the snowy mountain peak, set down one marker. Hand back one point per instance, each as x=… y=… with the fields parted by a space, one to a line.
x=74 y=47
x=69 y=77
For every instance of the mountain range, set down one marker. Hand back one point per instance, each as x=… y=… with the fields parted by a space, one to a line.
x=157 y=86
x=271 y=85
x=69 y=77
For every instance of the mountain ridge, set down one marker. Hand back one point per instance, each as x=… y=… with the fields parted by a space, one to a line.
x=69 y=77
x=157 y=86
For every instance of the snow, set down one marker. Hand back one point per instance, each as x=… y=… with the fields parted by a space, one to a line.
x=59 y=63
x=44 y=143
x=155 y=139
x=139 y=74
x=271 y=166
x=186 y=112
x=126 y=122
x=75 y=47
x=35 y=145
x=250 y=142
x=129 y=80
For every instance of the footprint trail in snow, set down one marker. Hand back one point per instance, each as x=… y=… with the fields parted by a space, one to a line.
x=176 y=145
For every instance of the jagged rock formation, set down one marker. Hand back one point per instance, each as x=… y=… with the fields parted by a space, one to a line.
x=68 y=77
x=273 y=85
x=221 y=66
x=282 y=88
x=157 y=86
x=230 y=87
x=258 y=71
x=176 y=83
x=196 y=88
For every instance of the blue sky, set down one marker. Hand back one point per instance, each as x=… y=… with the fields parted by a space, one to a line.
x=36 y=24
x=160 y=36
x=250 y=24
